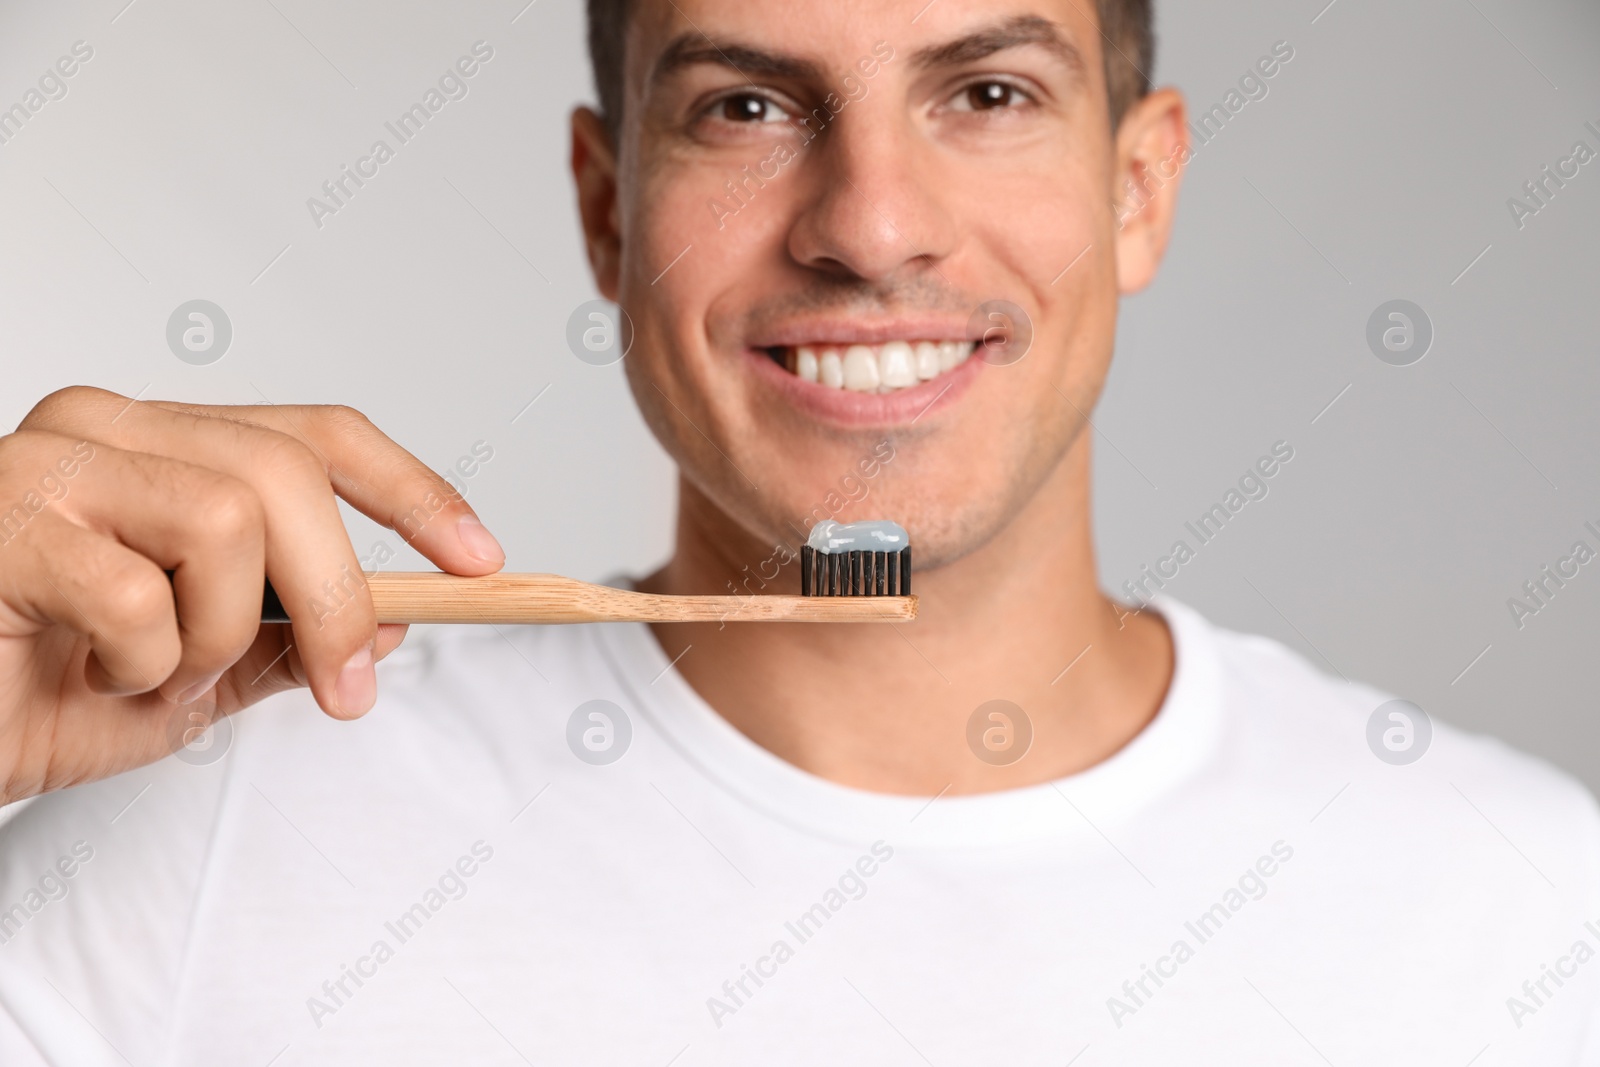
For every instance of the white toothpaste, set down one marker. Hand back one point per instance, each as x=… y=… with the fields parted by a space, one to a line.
x=875 y=535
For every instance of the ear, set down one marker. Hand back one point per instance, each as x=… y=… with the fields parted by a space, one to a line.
x=594 y=169
x=1152 y=152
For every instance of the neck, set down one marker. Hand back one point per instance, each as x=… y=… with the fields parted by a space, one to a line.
x=887 y=707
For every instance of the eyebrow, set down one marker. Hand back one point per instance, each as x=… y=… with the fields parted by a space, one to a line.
x=694 y=48
x=1017 y=32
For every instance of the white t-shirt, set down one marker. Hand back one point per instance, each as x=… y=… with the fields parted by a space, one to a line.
x=447 y=881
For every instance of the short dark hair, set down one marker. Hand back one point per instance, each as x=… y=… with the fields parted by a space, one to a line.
x=1130 y=48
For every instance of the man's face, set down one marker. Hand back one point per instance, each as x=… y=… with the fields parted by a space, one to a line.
x=811 y=191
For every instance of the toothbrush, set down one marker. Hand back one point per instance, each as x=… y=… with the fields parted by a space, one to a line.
x=436 y=597
x=857 y=572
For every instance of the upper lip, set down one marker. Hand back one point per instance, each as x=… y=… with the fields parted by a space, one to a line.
x=834 y=330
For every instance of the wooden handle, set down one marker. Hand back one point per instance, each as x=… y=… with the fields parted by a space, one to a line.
x=432 y=596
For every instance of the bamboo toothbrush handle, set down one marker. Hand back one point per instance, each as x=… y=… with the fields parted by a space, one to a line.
x=433 y=596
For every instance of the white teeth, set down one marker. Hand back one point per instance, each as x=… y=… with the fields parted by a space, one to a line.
x=830 y=369
x=883 y=368
x=952 y=354
x=896 y=365
x=861 y=369
x=805 y=364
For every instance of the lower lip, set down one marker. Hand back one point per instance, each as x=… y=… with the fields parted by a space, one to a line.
x=847 y=407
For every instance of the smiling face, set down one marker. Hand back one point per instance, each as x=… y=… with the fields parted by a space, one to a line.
x=835 y=229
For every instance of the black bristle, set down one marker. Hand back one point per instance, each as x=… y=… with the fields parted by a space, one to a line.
x=854 y=573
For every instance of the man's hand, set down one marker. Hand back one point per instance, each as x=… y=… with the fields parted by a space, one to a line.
x=100 y=654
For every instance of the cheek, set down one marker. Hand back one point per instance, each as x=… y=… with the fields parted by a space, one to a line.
x=697 y=256
x=667 y=270
x=1040 y=220
x=662 y=219
x=679 y=221
x=704 y=199
x=1048 y=232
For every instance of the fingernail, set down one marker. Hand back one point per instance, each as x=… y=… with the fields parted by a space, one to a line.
x=479 y=542
x=198 y=689
x=357 y=686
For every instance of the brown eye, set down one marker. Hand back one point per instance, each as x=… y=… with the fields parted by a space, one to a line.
x=748 y=108
x=986 y=96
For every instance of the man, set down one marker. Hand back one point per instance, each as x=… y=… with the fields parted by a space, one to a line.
x=1036 y=826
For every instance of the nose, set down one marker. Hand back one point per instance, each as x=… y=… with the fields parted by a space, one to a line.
x=877 y=211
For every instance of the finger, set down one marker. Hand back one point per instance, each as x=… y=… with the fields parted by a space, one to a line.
x=272 y=666
x=204 y=526
x=308 y=554
x=381 y=480
x=390 y=634
x=92 y=585
x=262 y=671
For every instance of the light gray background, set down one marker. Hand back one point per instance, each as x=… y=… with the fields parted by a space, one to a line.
x=1378 y=167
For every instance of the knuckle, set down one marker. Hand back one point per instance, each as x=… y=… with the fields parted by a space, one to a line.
x=31 y=443
x=343 y=607
x=64 y=404
x=344 y=419
x=221 y=646
x=231 y=512
x=15 y=448
x=337 y=617
x=283 y=457
x=134 y=598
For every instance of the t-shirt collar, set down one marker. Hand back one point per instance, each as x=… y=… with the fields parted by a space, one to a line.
x=1176 y=743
